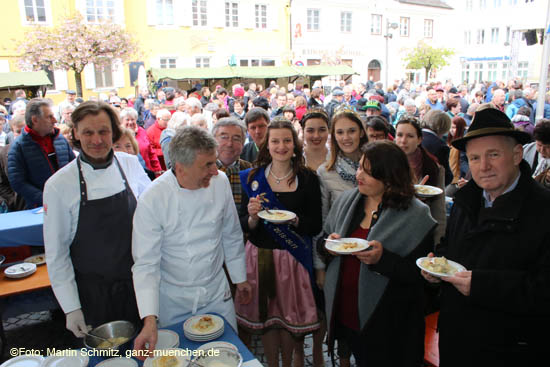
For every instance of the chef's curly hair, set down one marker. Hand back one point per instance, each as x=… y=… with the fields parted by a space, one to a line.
x=264 y=158
x=94 y=108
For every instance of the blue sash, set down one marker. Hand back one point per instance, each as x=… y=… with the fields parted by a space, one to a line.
x=300 y=247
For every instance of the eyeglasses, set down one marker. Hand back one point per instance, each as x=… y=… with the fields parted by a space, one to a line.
x=235 y=139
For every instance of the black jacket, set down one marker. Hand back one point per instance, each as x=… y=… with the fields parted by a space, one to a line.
x=433 y=144
x=506 y=318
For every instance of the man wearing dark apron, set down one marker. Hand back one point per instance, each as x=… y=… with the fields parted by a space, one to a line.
x=88 y=226
x=101 y=253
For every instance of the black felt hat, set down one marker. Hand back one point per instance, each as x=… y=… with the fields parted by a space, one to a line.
x=491 y=122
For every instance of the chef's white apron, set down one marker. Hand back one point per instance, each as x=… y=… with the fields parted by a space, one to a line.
x=178 y=303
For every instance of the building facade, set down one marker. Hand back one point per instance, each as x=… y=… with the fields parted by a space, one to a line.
x=372 y=37
x=171 y=33
x=494 y=39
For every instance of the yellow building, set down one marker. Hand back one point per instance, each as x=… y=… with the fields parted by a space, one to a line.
x=170 y=33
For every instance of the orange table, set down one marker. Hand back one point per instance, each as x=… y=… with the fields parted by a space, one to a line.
x=9 y=287
x=34 y=282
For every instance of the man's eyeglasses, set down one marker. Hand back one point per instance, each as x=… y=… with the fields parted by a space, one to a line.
x=234 y=139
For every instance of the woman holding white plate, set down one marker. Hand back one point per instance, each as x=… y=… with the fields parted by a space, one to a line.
x=374 y=297
x=279 y=256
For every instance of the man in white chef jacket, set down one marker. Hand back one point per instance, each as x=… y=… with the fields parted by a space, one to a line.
x=185 y=227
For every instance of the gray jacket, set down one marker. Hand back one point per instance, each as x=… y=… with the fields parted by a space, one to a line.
x=399 y=231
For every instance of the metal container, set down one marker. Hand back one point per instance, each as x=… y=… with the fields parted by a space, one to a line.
x=113 y=329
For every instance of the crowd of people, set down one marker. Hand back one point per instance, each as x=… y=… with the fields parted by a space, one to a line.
x=152 y=214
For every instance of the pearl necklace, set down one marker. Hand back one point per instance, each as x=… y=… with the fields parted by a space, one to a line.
x=279 y=179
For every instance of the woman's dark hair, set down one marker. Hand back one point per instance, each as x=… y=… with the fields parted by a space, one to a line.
x=542 y=131
x=524 y=110
x=411 y=120
x=314 y=113
x=377 y=123
x=221 y=113
x=94 y=108
x=460 y=124
x=451 y=103
x=343 y=112
x=264 y=158
x=387 y=163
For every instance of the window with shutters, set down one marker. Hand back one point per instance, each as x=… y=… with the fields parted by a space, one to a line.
x=199 y=13
x=313 y=19
x=103 y=76
x=98 y=11
x=165 y=12
x=376 y=24
x=231 y=14
x=260 y=16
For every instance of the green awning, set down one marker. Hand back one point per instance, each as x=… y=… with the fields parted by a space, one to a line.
x=24 y=79
x=262 y=72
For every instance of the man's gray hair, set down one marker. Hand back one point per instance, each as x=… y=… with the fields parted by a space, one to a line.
x=69 y=107
x=188 y=142
x=128 y=112
x=229 y=121
x=193 y=102
x=34 y=108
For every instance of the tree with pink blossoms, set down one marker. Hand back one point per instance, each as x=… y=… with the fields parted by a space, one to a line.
x=73 y=44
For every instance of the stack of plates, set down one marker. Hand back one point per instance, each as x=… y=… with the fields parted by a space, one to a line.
x=167 y=339
x=192 y=331
x=20 y=270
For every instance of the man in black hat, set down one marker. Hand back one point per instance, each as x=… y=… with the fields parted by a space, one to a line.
x=497 y=312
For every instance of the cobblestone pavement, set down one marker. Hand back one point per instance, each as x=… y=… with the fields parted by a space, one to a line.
x=40 y=330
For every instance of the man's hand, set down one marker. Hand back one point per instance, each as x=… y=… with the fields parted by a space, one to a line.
x=462 y=281
x=244 y=293
x=76 y=323
x=461 y=182
x=430 y=278
x=146 y=338
x=371 y=255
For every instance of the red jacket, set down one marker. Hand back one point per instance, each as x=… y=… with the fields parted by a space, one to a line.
x=146 y=151
x=153 y=133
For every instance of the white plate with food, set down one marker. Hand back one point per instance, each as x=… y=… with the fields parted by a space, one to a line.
x=36 y=259
x=345 y=246
x=20 y=270
x=167 y=339
x=439 y=266
x=24 y=361
x=118 y=362
x=70 y=360
x=172 y=357
x=202 y=325
x=427 y=191
x=216 y=345
x=276 y=215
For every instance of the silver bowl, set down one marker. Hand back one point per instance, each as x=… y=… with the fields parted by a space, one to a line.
x=224 y=356
x=113 y=329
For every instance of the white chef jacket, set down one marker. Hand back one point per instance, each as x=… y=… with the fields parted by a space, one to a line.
x=180 y=241
x=62 y=205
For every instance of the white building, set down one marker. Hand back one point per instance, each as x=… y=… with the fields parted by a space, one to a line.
x=359 y=33
x=493 y=45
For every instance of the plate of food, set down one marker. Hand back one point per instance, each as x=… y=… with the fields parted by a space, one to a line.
x=427 y=191
x=20 y=270
x=203 y=324
x=276 y=215
x=36 y=259
x=345 y=246
x=439 y=266
x=173 y=357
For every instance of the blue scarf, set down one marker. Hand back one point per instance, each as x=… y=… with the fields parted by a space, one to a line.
x=300 y=247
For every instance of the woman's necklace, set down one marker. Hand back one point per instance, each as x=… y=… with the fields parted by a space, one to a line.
x=279 y=179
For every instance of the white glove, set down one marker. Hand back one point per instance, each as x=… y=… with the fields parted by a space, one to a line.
x=76 y=323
